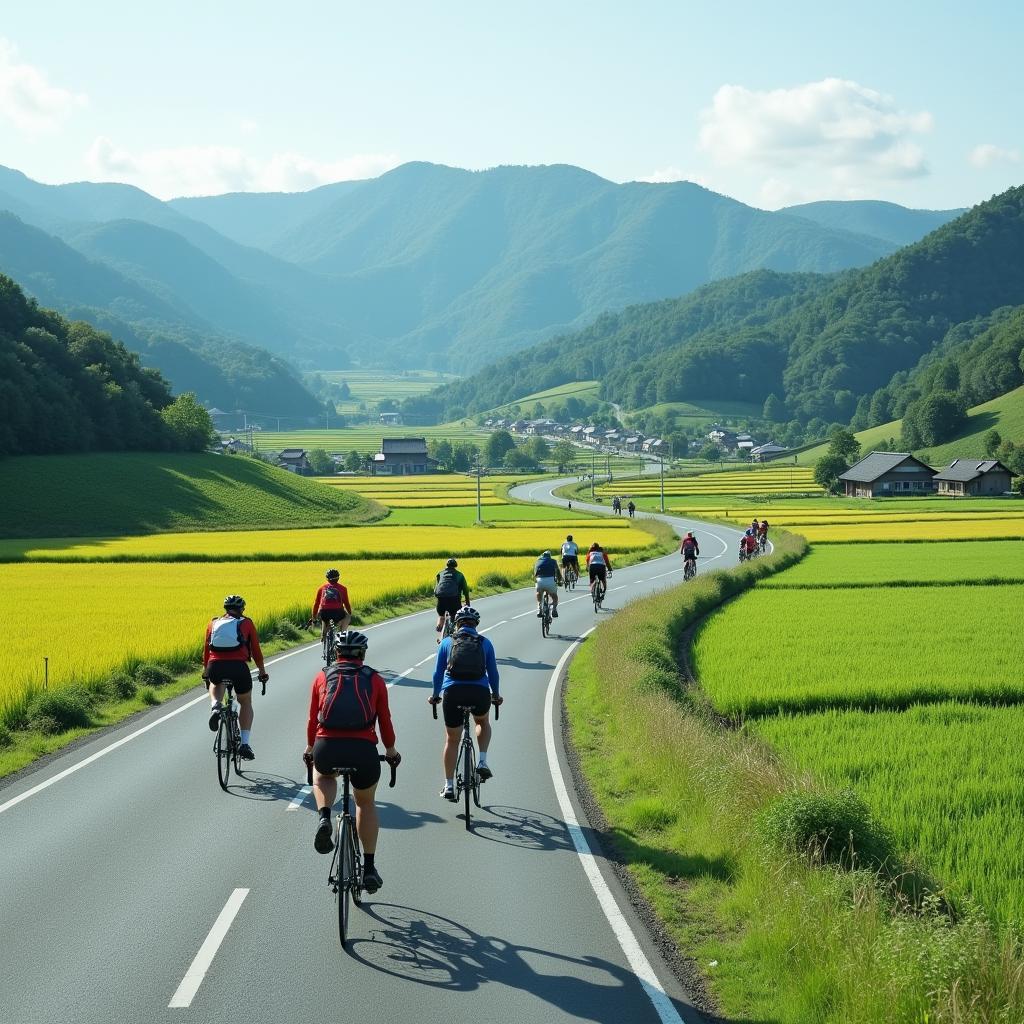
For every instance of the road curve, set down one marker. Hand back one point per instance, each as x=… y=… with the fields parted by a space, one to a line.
x=124 y=863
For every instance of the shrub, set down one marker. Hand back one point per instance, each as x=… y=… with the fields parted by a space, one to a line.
x=287 y=630
x=152 y=673
x=148 y=695
x=123 y=686
x=6 y=739
x=494 y=579
x=55 y=711
x=834 y=828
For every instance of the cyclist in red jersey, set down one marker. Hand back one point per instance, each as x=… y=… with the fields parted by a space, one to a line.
x=231 y=643
x=330 y=744
x=331 y=604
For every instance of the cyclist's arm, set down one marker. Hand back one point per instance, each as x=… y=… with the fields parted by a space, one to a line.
x=314 y=710
x=206 y=646
x=607 y=562
x=316 y=603
x=440 y=664
x=254 y=645
x=464 y=588
x=491 y=664
x=345 y=603
x=383 y=709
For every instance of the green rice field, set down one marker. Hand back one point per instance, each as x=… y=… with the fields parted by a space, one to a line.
x=364 y=439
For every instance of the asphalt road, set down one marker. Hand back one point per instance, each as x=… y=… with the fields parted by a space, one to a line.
x=121 y=856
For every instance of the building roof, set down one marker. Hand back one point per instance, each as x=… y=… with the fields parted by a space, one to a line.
x=877 y=464
x=970 y=469
x=292 y=454
x=403 y=446
x=768 y=449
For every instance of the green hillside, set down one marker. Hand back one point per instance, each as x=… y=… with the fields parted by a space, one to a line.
x=112 y=494
x=584 y=390
x=364 y=439
x=1005 y=414
x=890 y=221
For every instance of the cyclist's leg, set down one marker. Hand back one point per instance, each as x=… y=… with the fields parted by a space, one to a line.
x=483 y=731
x=367 y=819
x=450 y=755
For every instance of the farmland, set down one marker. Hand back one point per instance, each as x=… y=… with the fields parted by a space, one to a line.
x=987 y=528
x=341 y=441
x=785 y=479
x=526 y=406
x=434 y=489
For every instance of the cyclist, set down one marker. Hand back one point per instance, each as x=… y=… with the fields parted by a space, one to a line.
x=632 y=507
x=617 y=505
x=762 y=533
x=465 y=675
x=450 y=587
x=549 y=578
x=231 y=643
x=599 y=565
x=331 y=604
x=748 y=543
x=571 y=554
x=689 y=549
x=347 y=703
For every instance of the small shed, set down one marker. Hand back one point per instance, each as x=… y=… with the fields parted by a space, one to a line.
x=295 y=460
x=964 y=477
x=888 y=474
x=403 y=456
x=391 y=419
x=767 y=452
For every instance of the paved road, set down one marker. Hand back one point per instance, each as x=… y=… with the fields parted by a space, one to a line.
x=120 y=855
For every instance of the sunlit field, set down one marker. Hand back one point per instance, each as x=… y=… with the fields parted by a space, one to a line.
x=778 y=480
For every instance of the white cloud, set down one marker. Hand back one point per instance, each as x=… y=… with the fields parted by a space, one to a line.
x=27 y=99
x=211 y=170
x=836 y=126
x=248 y=127
x=662 y=175
x=987 y=155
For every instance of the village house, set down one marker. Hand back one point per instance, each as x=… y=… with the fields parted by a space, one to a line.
x=402 y=456
x=767 y=452
x=887 y=474
x=391 y=419
x=633 y=442
x=964 y=477
x=590 y=435
x=295 y=460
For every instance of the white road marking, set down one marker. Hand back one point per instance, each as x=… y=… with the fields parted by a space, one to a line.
x=635 y=955
x=186 y=991
x=299 y=798
x=495 y=626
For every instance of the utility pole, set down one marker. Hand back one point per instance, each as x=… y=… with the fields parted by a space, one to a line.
x=593 y=471
x=479 y=470
x=661 y=459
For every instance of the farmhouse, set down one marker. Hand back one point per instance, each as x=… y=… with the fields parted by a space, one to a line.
x=391 y=419
x=973 y=476
x=403 y=456
x=767 y=452
x=887 y=474
x=295 y=460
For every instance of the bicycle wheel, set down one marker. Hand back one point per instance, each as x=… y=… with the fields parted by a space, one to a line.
x=357 y=869
x=222 y=748
x=469 y=776
x=345 y=872
x=236 y=743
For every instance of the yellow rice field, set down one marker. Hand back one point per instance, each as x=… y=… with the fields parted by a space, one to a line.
x=976 y=529
x=333 y=543
x=452 y=490
x=122 y=612
x=782 y=480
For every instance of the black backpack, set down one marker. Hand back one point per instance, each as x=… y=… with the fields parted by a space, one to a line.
x=331 y=596
x=447 y=584
x=466 y=659
x=348 y=702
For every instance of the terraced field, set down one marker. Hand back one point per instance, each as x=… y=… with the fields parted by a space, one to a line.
x=786 y=479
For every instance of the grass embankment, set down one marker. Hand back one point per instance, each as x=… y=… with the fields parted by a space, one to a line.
x=747 y=861
x=142 y=492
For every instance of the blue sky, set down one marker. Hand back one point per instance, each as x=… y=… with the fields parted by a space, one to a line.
x=915 y=102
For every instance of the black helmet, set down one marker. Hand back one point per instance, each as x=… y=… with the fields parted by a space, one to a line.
x=569 y=537
x=234 y=602
x=333 y=574
x=467 y=616
x=351 y=644
x=451 y=563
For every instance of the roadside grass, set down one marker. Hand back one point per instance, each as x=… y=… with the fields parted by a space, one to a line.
x=805 y=650
x=777 y=936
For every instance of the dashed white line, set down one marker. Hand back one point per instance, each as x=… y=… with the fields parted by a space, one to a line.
x=495 y=626
x=299 y=798
x=186 y=991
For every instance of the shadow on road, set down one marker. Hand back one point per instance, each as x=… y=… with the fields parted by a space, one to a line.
x=393 y=816
x=263 y=787
x=426 y=949
x=529 y=666
x=517 y=826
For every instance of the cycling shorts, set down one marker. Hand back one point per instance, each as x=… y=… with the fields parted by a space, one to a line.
x=689 y=553
x=448 y=604
x=573 y=560
x=468 y=695
x=235 y=672
x=547 y=583
x=330 y=753
x=598 y=572
x=332 y=614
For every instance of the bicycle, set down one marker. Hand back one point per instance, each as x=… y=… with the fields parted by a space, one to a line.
x=570 y=577
x=345 y=876
x=545 y=614
x=597 y=591
x=762 y=543
x=467 y=779
x=228 y=740
x=449 y=625
x=329 y=643
x=689 y=568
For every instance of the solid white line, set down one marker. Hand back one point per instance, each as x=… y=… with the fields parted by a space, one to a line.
x=186 y=991
x=495 y=626
x=299 y=798
x=635 y=955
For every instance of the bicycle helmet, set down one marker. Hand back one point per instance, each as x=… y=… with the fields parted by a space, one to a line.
x=546 y=554
x=467 y=616
x=351 y=644
x=333 y=574
x=569 y=537
x=451 y=563
x=234 y=602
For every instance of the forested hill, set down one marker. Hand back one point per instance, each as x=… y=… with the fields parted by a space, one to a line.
x=824 y=345
x=894 y=223
x=65 y=387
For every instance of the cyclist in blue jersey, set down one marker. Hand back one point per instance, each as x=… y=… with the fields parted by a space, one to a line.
x=465 y=675
x=549 y=578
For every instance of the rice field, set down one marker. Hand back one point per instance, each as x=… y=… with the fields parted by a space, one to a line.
x=799 y=650
x=947 y=779
x=891 y=565
x=426 y=491
x=331 y=544
x=343 y=440
x=987 y=528
x=770 y=480
x=124 y=612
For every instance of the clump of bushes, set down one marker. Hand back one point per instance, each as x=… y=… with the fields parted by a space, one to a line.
x=123 y=686
x=285 y=629
x=151 y=673
x=56 y=711
x=494 y=579
x=148 y=696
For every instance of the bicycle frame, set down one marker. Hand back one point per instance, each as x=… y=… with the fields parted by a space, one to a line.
x=228 y=738
x=467 y=781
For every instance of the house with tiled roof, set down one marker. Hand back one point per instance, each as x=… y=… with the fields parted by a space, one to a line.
x=964 y=477
x=887 y=474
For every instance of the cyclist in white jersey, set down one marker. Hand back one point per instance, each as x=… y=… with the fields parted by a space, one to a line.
x=571 y=554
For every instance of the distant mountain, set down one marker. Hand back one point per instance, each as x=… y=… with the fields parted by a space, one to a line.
x=161 y=328
x=856 y=347
x=893 y=223
x=432 y=266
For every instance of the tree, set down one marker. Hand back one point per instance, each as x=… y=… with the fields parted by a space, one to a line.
x=537 y=448
x=711 y=452
x=1012 y=457
x=463 y=456
x=844 y=444
x=774 y=409
x=189 y=423
x=498 y=444
x=518 y=459
x=992 y=442
x=564 y=455
x=442 y=451
x=932 y=419
x=353 y=461
x=827 y=470
x=322 y=463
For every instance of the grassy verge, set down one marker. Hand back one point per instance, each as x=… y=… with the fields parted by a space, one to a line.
x=786 y=894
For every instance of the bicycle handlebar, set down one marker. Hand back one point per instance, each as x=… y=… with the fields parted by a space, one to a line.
x=433 y=708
